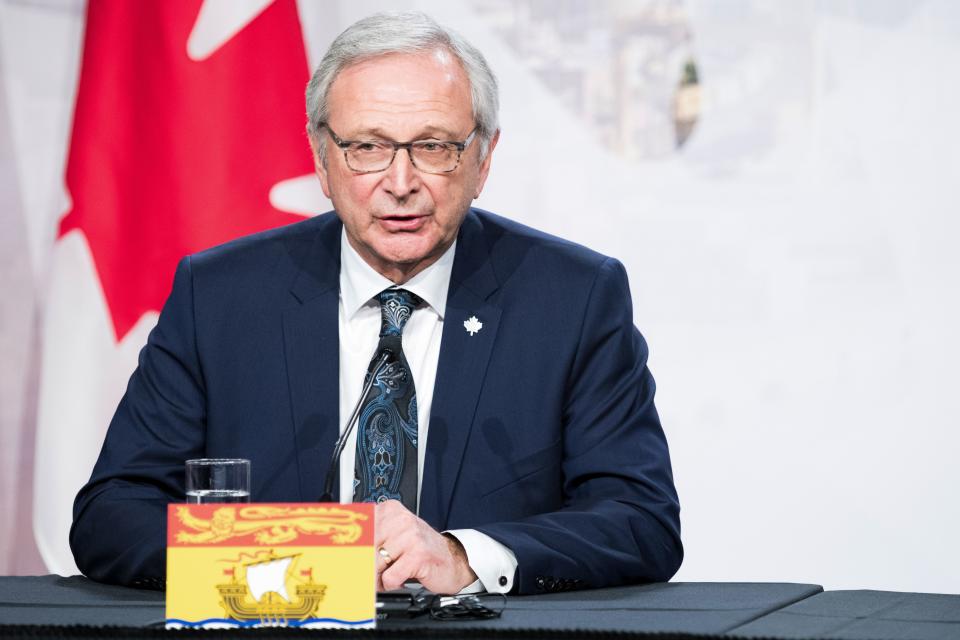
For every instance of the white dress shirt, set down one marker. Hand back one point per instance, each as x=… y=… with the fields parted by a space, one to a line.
x=359 y=323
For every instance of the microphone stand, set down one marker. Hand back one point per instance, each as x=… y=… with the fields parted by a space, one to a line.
x=342 y=440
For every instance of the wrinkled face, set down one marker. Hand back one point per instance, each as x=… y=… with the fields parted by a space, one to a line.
x=401 y=220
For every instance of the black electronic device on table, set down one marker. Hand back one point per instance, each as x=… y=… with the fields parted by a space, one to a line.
x=407 y=602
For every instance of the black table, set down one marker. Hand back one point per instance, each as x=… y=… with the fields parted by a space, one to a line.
x=855 y=615
x=678 y=609
x=705 y=608
x=40 y=600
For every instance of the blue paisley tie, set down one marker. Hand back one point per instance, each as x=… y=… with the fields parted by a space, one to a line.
x=386 y=466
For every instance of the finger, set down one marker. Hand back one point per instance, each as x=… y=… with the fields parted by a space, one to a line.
x=383 y=559
x=415 y=568
x=380 y=564
x=378 y=583
x=397 y=573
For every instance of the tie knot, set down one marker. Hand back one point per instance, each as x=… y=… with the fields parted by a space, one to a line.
x=396 y=305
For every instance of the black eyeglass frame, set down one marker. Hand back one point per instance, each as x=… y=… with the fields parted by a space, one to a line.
x=345 y=144
x=467 y=607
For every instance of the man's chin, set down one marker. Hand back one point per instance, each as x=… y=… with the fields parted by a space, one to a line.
x=407 y=254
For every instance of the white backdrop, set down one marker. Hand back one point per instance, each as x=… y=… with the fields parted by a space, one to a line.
x=792 y=264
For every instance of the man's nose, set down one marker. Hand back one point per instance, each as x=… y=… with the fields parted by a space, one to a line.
x=402 y=177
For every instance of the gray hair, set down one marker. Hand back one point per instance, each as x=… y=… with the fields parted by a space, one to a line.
x=402 y=32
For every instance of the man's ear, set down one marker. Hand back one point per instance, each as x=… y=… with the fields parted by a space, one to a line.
x=485 y=165
x=319 y=166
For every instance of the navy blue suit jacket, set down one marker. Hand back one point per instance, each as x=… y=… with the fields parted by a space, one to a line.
x=543 y=432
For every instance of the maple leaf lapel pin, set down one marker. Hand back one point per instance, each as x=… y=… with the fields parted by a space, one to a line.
x=472 y=325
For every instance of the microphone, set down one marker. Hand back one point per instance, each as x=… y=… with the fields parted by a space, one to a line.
x=342 y=440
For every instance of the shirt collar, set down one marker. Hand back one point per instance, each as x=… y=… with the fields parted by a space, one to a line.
x=359 y=282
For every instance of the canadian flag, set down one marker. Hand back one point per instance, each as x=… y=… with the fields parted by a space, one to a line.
x=188 y=131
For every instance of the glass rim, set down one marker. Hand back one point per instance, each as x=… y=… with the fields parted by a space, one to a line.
x=210 y=461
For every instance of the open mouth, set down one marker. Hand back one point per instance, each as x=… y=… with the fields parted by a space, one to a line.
x=402 y=222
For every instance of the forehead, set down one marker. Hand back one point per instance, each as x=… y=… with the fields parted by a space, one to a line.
x=402 y=95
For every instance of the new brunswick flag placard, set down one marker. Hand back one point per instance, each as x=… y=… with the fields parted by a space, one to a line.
x=252 y=565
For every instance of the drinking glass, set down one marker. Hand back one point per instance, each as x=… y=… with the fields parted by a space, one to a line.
x=218 y=480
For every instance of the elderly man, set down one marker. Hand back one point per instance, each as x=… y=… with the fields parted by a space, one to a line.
x=507 y=429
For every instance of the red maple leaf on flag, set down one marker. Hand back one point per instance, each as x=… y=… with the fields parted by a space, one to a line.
x=170 y=155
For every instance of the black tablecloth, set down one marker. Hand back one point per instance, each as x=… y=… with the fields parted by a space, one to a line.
x=684 y=607
x=855 y=615
x=736 y=609
x=707 y=608
x=76 y=600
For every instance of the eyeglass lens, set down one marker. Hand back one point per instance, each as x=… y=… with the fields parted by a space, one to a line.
x=429 y=156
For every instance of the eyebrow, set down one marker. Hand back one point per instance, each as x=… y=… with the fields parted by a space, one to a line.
x=427 y=132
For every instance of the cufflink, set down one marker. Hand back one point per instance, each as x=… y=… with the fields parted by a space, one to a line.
x=503 y=581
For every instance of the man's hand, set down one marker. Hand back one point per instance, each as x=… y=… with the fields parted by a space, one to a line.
x=414 y=551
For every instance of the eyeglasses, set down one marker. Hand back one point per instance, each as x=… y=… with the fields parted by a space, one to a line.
x=404 y=603
x=467 y=607
x=429 y=156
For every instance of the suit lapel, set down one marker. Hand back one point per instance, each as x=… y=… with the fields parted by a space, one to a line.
x=461 y=370
x=311 y=342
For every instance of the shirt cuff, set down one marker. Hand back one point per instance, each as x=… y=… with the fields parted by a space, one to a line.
x=494 y=563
